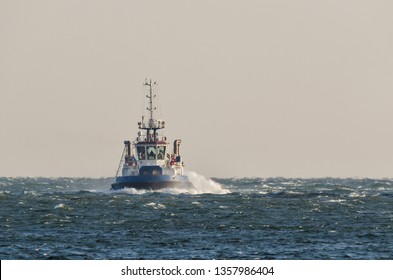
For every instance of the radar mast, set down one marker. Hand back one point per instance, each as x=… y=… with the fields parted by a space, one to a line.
x=153 y=124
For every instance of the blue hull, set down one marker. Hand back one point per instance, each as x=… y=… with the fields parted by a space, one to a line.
x=150 y=182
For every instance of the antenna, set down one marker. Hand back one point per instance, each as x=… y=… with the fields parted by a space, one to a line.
x=150 y=96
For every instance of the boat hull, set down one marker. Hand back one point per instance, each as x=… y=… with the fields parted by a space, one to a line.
x=150 y=182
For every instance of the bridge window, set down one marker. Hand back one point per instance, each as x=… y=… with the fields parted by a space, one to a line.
x=151 y=153
x=161 y=152
x=141 y=152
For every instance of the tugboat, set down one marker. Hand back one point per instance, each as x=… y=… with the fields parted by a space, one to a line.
x=145 y=162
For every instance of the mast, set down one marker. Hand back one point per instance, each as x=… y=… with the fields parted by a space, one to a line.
x=152 y=125
x=150 y=97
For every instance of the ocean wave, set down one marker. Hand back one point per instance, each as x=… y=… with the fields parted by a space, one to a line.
x=62 y=206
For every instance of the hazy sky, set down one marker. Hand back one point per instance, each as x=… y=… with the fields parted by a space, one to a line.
x=253 y=88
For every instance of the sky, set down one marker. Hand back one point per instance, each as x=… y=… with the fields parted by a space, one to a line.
x=258 y=88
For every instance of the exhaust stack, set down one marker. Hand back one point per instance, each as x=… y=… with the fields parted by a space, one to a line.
x=128 y=145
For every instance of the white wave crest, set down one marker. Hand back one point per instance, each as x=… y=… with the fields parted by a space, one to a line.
x=62 y=206
x=201 y=185
x=155 y=205
x=133 y=191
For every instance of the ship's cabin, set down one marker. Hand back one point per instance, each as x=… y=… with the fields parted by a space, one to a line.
x=151 y=151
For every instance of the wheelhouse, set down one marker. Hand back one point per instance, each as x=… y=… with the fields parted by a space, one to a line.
x=151 y=151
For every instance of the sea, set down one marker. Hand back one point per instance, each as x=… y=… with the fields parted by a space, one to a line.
x=219 y=218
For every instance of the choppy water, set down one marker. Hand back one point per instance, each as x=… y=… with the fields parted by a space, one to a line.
x=248 y=218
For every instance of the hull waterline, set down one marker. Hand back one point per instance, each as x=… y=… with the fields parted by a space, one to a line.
x=149 y=185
